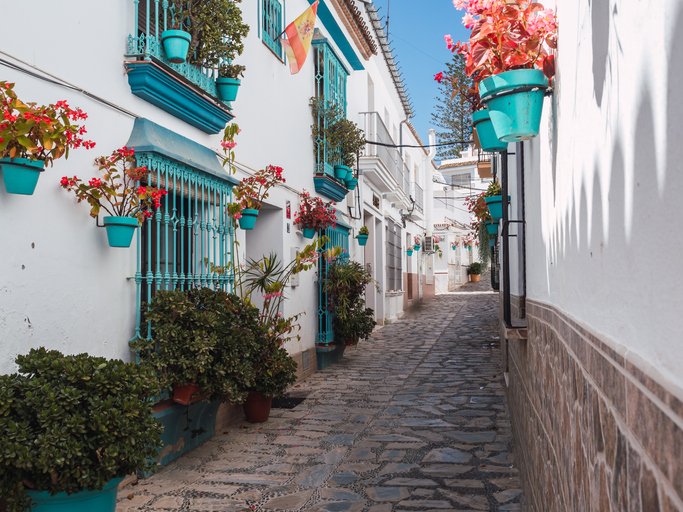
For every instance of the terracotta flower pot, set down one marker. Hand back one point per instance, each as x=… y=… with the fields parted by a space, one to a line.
x=475 y=278
x=186 y=394
x=257 y=407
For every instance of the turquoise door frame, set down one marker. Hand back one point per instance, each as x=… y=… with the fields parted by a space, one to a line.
x=337 y=236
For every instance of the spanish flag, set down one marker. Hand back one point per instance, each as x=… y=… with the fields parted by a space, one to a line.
x=299 y=35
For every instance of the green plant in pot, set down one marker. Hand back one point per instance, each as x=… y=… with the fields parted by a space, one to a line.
x=314 y=214
x=229 y=81
x=474 y=271
x=250 y=194
x=354 y=324
x=33 y=136
x=362 y=236
x=72 y=427
x=176 y=40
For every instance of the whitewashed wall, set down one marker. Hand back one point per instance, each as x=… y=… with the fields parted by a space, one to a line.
x=604 y=181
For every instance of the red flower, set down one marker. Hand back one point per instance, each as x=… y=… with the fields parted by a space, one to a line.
x=439 y=76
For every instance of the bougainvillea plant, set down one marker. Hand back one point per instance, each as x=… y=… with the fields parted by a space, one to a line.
x=506 y=35
x=253 y=190
x=418 y=240
x=315 y=213
x=39 y=132
x=228 y=144
x=119 y=192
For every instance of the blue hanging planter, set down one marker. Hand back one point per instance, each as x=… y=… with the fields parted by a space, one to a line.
x=514 y=100
x=341 y=172
x=351 y=182
x=176 y=44
x=486 y=134
x=103 y=500
x=308 y=232
x=248 y=219
x=120 y=230
x=495 y=205
x=362 y=239
x=227 y=88
x=21 y=174
x=492 y=228
x=409 y=252
x=417 y=247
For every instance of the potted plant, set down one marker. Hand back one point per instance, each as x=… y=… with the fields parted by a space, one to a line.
x=358 y=323
x=250 y=194
x=33 y=136
x=119 y=194
x=409 y=251
x=228 y=81
x=488 y=140
x=72 y=428
x=494 y=200
x=175 y=41
x=474 y=271
x=513 y=68
x=314 y=214
x=418 y=242
x=362 y=236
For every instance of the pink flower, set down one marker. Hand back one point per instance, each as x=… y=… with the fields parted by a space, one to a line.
x=439 y=76
x=228 y=144
x=449 y=41
x=468 y=20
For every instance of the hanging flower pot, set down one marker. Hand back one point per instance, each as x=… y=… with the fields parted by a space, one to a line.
x=351 y=182
x=514 y=100
x=495 y=206
x=409 y=252
x=21 y=174
x=341 y=172
x=308 y=232
x=487 y=135
x=176 y=44
x=248 y=219
x=227 y=88
x=103 y=500
x=492 y=228
x=120 y=230
x=417 y=247
x=454 y=247
x=362 y=239
x=186 y=394
x=257 y=407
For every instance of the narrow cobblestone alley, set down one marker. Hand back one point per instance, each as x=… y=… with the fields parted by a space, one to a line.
x=414 y=419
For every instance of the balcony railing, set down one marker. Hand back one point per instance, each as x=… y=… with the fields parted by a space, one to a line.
x=419 y=196
x=152 y=17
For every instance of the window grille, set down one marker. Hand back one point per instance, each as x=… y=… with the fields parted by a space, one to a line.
x=271 y=25
x=187 y=243
x=394 y=257
x=337 y=236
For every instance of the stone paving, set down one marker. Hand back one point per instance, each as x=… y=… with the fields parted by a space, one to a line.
x=415 y=419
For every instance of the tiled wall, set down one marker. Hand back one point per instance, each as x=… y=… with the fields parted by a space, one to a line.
x=593 y=431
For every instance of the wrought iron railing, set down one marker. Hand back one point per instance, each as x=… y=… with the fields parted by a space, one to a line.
x=376 y=131
x=419 y=196
x=151 y=18
x=337 y=236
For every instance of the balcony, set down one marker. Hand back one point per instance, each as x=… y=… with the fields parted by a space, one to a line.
x=184 y=90
x=383 y=165
x=419 y=196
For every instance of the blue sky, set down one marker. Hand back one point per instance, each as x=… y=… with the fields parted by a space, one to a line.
x=416 y=30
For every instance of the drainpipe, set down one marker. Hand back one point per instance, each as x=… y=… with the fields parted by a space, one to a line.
x=429 y=201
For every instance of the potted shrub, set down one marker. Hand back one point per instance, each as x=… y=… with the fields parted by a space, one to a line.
x=494 y=200
x=228 y=81
x=418 y=242
x=409 y=251
x=33 y=136
x=250 y=194
x=358 y=323
x=362 y=236
x=175 y=40
x=72 y=428
x=119 y=194
x=513 y=69
x=474 y=271
x=314 y=214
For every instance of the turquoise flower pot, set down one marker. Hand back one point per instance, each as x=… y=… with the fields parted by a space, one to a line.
x=495 y=205
x=120 y=230
x=103 y=500
x=308 y=232
x=417 y=247
x=362 y=240
x=341 y=172
x=487 y=135
x=248 y=219
x=409 y=252
x=514 y=100
x=227 y=88
x=492 y=228
x=176 y=44
x=21 y=175
x=351 y=182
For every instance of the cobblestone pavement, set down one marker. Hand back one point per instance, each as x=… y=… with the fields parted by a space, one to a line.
x=414 y=419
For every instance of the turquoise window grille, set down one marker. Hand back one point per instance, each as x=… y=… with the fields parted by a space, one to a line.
x=337 y=236
x=330 y=88
x=151 y=18
x=271 y=25
x=188 y=242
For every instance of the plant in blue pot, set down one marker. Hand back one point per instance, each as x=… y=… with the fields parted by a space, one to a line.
x=363 y=235
x=512 y=70
x=228 y=81
x=417 y=242
x=175 y=40
x=72 y=427
x=250 y=194
x=314 y=215
x=33 y=136
x=121 y=193
x=494 y=200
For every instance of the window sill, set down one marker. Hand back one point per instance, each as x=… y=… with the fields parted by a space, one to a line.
x=394 y=293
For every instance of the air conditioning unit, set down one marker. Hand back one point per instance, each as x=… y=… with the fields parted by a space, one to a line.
x=428 y=245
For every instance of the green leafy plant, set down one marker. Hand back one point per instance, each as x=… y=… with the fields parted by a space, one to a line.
x=343 y=137
x=493 y=189
x=358 y=323
x=363 y=230
x=275 y=368
x=71 y=423
x=474 y=268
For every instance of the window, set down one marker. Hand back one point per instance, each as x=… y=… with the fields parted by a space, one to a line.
x=394 y=257
x=188 y=242
x=271 y=25
x=337 y=236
